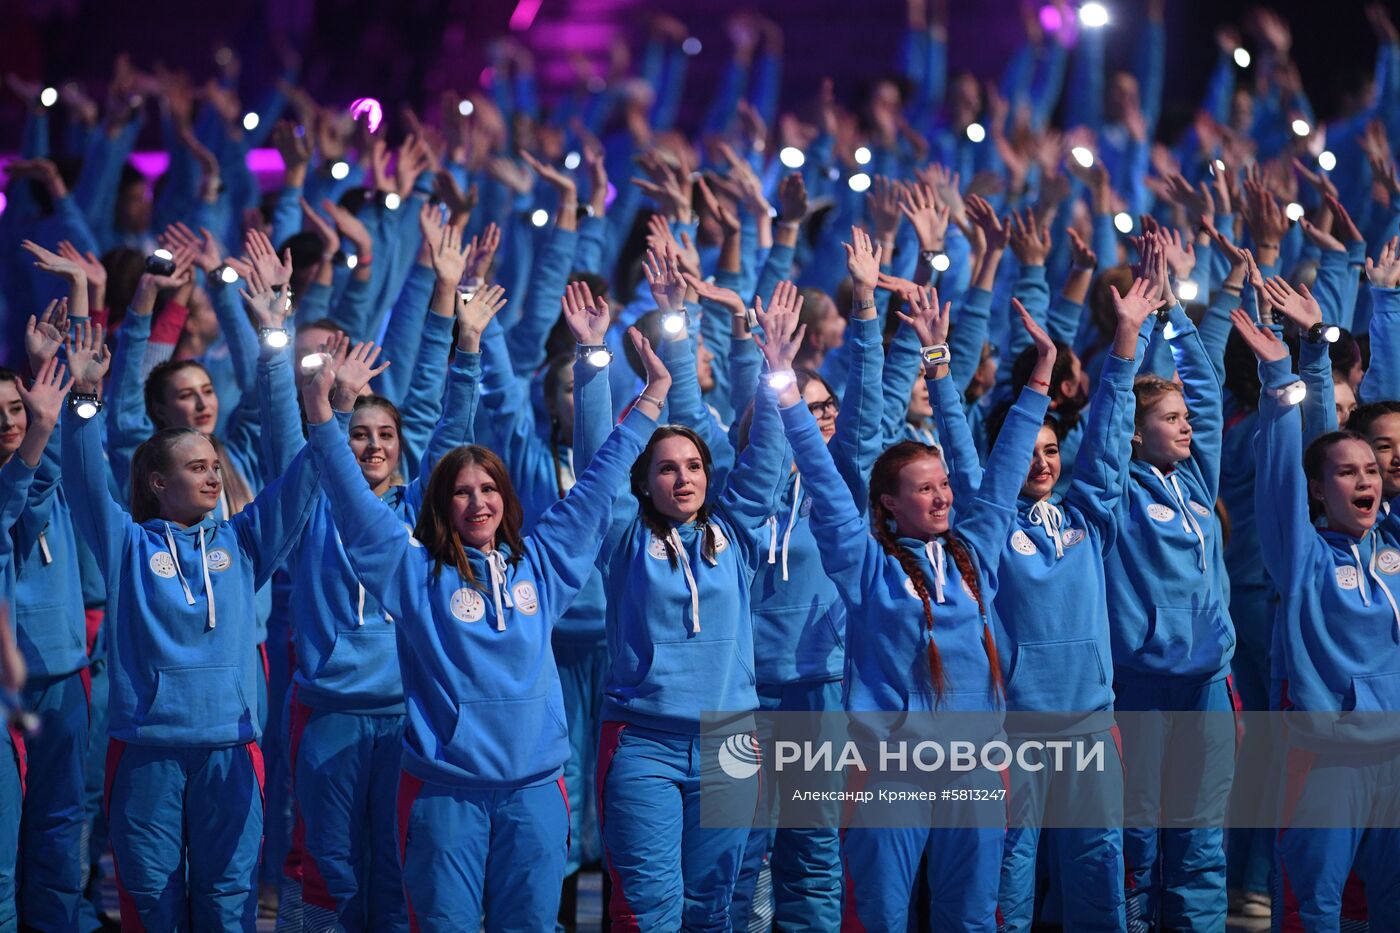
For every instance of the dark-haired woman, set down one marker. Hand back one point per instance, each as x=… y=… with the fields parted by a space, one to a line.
x=1052 y=626
x=1338 y=585
x=483 y=819
x=919 y=638
x=347 y=704
x=184 y=773
x=678 y=562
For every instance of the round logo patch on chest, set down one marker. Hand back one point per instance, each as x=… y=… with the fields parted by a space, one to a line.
x=1199 y=509
x=1160 y=513
x=163 y=565
x=1347 y=578
x=219 y=560
x=1022 y=544
x=1072 y=536
x=721 y=542
x=1388 y=561
x=525 y=598
x=805 y=509
x=408 y=529
x=656 y=548
x=909 y=588
x=468 y=605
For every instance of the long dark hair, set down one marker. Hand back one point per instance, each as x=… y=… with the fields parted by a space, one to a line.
x=658 y=524
x=435 y=530
x=553 y=373
x=237 y=492
x=153 y=456
x=1066 y=410
x=884 y=480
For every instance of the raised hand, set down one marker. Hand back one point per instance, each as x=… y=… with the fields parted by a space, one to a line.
x=92 y=266
x=1179 y=252
x=883 y=202
x=354 y=371
x=1197 y=202
x=49 y=261
x=317 y=384
x=555 y=178
x=260 y=252
x=44 y=399
x=352 y=228
x=1030 y=242
x=792 y=199
x=269 y=308
x=88 y=358
x=709 y=291
x=997 y=234
x=1259 y=338
x=587 y=319
x=723 y=214
x=1299 y=305
x=449 y=261
x=663 y=276
x=658 y=376
x=1039 y=380
x=926 y=214
x=1082 y=256
x=473 y=315
x=295 y=149
x=927 y=317
x=203 y=249
x=901 y=287
x=863 y=263
x=782 y=334
x=1384 y=271
x=1342 y=224
x=1132 y=308
x=45 y=334
x=481 y=251
x=460 y=204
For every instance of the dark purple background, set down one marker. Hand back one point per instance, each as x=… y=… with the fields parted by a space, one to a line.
x=410 y=49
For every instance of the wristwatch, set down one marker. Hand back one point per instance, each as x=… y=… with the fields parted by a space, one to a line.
x=594 y=354
x=1323 y=333
x=936 y=355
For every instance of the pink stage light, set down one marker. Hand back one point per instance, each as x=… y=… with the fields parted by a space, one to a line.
x=370 y=109
x=524 y=15
x=1050 y=19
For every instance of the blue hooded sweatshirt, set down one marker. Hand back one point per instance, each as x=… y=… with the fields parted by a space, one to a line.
x=15 y=479
x=799 y=618
x=1338 y=619
x=484 y=704
x=680 y=629
x=50 y=625
x=182 y=638
x=888 y=634
x=1168 y=613
x=1051 y=610
x=345 y=642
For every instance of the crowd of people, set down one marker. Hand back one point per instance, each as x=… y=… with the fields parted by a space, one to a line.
x=375 y=542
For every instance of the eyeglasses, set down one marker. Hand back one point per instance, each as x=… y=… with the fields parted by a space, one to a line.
x=827 y=406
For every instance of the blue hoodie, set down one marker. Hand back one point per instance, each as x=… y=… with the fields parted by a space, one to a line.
x=345 y=643
x=680 y=629
x=888 y=636
x=1168 y=613
x=482 y=691
x=15 y=479
x=1051 y=610
x=541 y=470
x=1338 y=620
x=182 y=635
x=50 y=625
x=798 y=615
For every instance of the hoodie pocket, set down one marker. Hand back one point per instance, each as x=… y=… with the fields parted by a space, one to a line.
x=697 y=673
x=1376 y=693
x=207 y=699
x=362 y=664
x=508 y=740
x=1058 y=676
x=1186 y=642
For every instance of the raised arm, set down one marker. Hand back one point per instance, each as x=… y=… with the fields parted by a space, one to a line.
x=1382 y=379
x=97 y=516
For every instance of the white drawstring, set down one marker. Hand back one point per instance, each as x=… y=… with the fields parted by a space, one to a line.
x=675 y=539
x=1361 y=575
x=44 y=551
x=1188 y=519
x=1051 y=518
x=567 y=478
x=204 y=566
x=208 y=584
x=934 y=550
x=1368 y=569
x=497 y=563
x=360 y=609
x=792 y=520
x=772 y=539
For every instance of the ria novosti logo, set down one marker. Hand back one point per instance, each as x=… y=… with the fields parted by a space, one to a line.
x=740 y=756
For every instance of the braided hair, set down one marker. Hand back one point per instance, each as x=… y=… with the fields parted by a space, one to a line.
x=659 y=525
x=884 y=480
